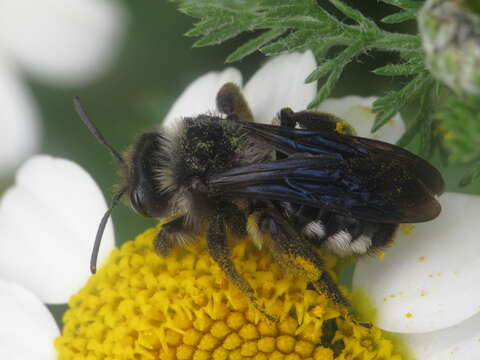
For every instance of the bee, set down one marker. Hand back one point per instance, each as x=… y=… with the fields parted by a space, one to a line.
x=293 y=187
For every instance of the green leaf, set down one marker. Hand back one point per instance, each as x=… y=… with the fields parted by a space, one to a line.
x=405 y=4
x=472 y=175
x=355 y=15
x=207 y=26
x=322 y=45
x=327 y=87
x=400 y=17
x=336 y=69
x=219 y=36
x=387 y=106
x=205 y=10
x=410 y=134
x=426 y=133
x=404 y=69
x=254 y=44
x=398 y=42
x=294 y=41
x=460 y=125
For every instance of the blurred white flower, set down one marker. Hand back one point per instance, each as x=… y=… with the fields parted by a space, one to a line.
x=28 y=328
x=62 y=42
x=48 y=221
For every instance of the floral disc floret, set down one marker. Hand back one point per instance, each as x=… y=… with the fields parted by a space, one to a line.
x=143 y=306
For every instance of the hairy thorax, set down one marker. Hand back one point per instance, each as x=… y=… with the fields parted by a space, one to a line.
x=207 y=145
x=203 y=146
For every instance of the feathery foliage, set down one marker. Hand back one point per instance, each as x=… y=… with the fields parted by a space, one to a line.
x=298 y=25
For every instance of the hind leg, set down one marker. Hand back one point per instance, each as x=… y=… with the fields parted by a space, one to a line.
x=231 y=102
x=315 y=120
x=289 y=247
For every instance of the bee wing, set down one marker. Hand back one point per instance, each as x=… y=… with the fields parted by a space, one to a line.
x=384 y=192
x=366 y=179
x=290 y=141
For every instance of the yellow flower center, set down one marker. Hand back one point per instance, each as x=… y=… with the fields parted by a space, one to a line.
x=143 y=306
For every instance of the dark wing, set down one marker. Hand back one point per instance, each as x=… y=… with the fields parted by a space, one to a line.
x=291 y=141
x=366 y=179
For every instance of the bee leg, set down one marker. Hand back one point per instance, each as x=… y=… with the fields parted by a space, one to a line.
x=220 y=252
x=231 y=102
x=315 y=120
x=299 y=254
x=172 y=233
x=235 y=220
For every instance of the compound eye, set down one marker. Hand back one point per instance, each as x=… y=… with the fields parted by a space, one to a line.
x=137 y=201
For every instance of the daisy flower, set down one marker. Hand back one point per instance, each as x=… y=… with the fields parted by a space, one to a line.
x=61 y=42
x=47 y=222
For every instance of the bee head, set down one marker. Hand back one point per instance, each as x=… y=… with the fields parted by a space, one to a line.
x=140 y=174
x=141 y=178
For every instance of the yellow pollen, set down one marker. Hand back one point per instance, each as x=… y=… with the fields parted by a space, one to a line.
x=145 y=307
x=407 y=229
x=408 y=315
x=421 y=258
x=343 y=127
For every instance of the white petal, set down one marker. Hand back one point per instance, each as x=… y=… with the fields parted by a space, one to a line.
x=428 y=279
x=199 y=97
x=281 y=83
x=48 y=221
x=19 y=120
x=460 y=342
x=62 y=41
x=358 y=112
x=28 y=329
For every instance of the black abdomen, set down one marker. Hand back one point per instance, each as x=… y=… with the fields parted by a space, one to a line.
x=339 y=234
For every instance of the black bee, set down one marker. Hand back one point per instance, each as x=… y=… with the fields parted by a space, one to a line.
x=302 y=183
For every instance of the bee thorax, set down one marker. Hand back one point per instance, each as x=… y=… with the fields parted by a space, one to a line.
x=198 y=186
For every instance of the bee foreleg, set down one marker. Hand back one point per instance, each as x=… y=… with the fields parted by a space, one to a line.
x=172 y=233
x=231 y=102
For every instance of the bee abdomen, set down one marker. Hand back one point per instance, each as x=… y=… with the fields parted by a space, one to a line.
x=341 y=235
x=315 y=229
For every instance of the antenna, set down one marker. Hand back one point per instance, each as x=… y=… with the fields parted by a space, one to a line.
x=94 y=130
x=101 y=139
x=101 y=229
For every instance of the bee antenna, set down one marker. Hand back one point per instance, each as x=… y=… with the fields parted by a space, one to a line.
x=101 y=229
x=94 y=130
